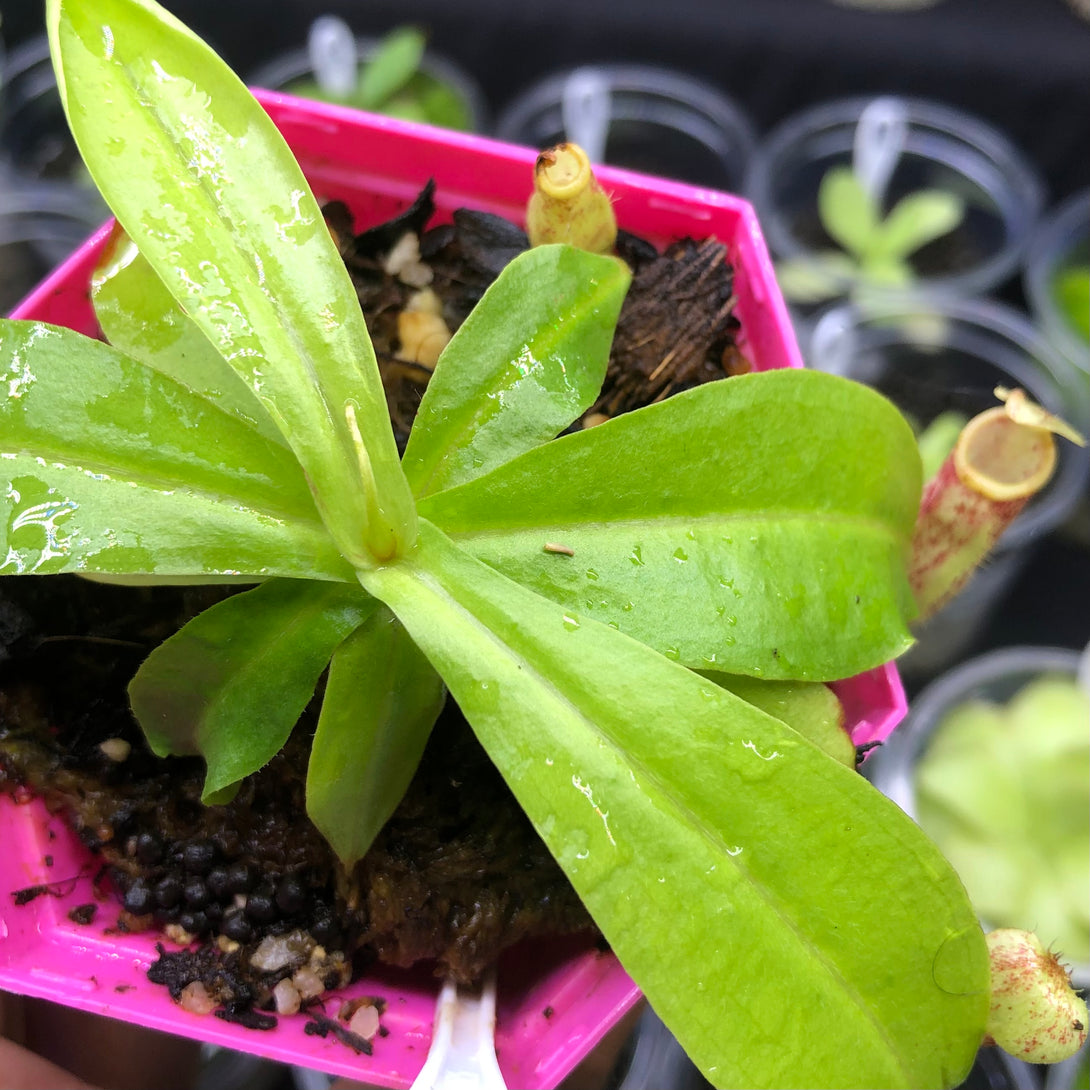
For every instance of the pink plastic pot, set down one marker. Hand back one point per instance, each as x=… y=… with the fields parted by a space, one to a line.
x=557 y=998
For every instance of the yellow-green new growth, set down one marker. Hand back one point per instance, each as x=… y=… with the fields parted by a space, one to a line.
x=568 y=204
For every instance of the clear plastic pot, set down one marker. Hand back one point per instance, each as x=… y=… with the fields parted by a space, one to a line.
x=638 y=117
x=41 y=223
x=33 y=131
x=1060 y=248
x=944 y=149
x=994 y=677
x=934 y=355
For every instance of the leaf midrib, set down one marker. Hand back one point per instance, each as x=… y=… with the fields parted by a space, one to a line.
x=869 y=525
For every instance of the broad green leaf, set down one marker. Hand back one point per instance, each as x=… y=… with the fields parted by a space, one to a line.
x=847 y=212
x=753 y=553
x=526 y=362
x=110 y=467
x=915 y=220
x=790 y=925
x=201 y=180
x=381 y=701
x=393 y=64
x=806 y=706
x=140 y=318
x=232 y=683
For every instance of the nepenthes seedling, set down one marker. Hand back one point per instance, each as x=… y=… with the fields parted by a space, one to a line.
x=781 y=916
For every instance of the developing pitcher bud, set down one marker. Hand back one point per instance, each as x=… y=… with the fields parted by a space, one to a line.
x=568 y=205
x=1035 y=1014
x=1002 y=458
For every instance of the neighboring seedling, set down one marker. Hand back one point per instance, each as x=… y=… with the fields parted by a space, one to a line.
x=876 y=249
x=392 y=82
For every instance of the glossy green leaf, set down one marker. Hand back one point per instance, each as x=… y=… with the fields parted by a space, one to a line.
x=201 y=180
x=915 y=220
x=140 y=318
x=232 y=683
x=806 y=706
x=848 y=214
x=528 y=360
x=381 y=701
x=790 y=924
x=110 y=467
x=704 y=527
x=393 y=64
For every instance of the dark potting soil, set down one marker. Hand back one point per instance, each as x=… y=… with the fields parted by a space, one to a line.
x=249 y=894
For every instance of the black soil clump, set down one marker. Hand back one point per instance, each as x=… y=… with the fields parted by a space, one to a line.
x=249 y=892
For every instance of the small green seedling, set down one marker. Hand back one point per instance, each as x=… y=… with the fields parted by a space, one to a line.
x=789 y=923
x=392 y=82
x=875 y=248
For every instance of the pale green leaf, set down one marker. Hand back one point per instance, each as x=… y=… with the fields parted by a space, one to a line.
x=201 y=180
x=140 y=317
x=847 y=212
x=915 y=220
x=381 y=700
x=393 y=64
x=938 y=439
x=232 y=683
x=884 y=273
x=790 y=925
x=818 y=277
x=705 y=527
x=528 y=360
x=111 y=467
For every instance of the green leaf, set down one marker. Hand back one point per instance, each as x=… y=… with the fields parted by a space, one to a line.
x=814 y=279
x=938 y=439
x=883 y=273
x=790 y=925
x=528 y=360
x=915 y=220
x=847 y=212
x=808 y=707
x=232 y=683
x=1071 y=288
x=110 y=467
x=140 y=318
x=751 y=552
x=442 y=104
x=201 y=180
x=381 y=701
x=394 y=63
